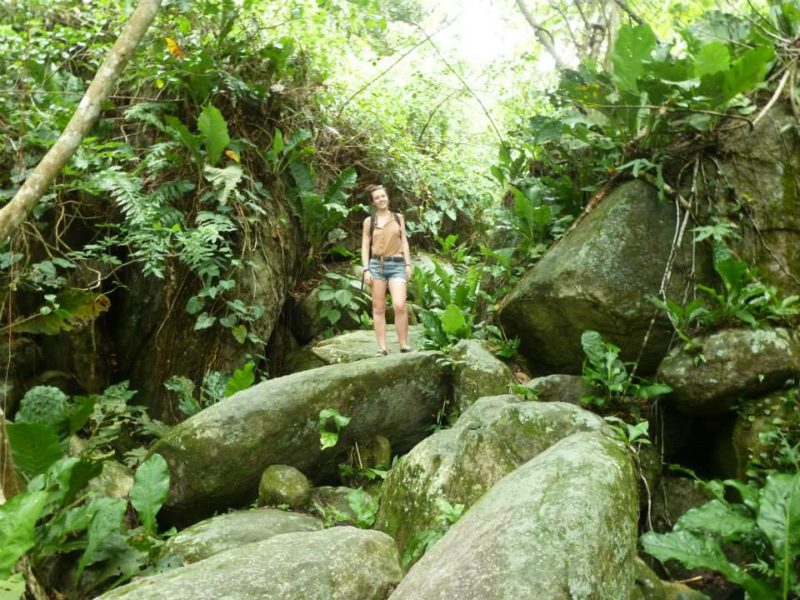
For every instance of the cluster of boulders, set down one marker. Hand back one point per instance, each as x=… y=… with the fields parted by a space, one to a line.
x=517 y=498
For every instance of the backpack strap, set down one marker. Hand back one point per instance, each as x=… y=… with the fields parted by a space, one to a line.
x=372 y=220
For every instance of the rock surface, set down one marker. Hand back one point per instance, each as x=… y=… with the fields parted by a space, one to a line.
x=152 y=330
x=756 y=420
x=492 y=438
x=736 y=363
x=561 y=388
x=341 y=563
x=762 y=165
x=282 y=484
x=597 y=277
x=217 y=456
x=347 y=347
x=560 y=527
x=477 y=373
x=235 y=529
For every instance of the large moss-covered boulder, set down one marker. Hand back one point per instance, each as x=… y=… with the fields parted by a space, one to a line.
x=347 y=347
x=155 y=337
x=217 y=456
x=598 y=277
x=235 y=529
x=341 y=563
x=735 y=363
x=561 y=526
x=761 y=165
x=477 y=373
x=491 y=439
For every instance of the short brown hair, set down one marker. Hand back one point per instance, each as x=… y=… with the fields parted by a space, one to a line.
x=373 y=188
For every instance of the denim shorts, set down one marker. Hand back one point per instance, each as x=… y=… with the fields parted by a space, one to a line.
x=392 y=269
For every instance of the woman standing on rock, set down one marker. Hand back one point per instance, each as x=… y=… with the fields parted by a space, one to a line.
x=387 y=264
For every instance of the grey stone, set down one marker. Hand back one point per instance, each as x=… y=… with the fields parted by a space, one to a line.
x=648 y=585
x=217 y=456
x=561 y=526
x=233 y=530
x=598 y=277
x=561 y=388
x=341 y=563
x=735 y=363
x=115 y=480
x=762 y=166
x=673 y=498
x=477 y=373
x=283 y=484
x=348 y=347
x=492 y=438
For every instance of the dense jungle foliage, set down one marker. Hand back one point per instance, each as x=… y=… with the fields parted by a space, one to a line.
x=249 y=126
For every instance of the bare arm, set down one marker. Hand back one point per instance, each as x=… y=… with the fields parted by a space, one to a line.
x=365 y=243
x=406 y=249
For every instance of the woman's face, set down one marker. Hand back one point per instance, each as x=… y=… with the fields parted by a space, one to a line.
x=380 y=199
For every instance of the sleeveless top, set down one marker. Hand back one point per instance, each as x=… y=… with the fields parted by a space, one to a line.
x=386 y=239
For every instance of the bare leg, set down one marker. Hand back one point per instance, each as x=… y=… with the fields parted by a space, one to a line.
x=379 y=311
x=397 y=288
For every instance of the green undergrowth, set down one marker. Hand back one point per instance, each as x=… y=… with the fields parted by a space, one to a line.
x=72 y=516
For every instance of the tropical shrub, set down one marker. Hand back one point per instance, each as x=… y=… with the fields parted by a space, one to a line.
x=764 y=523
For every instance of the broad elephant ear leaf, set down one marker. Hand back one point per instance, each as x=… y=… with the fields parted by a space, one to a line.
x=719 y=518
x=150 y=487
x=779 y=518
x=701 y=551
x=593 y=346
x=18 y=519
x=215 y=132
x=106 y=520
x=34 y=447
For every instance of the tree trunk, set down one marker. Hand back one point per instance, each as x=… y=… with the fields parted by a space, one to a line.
x=13 y=214
x=9 y=484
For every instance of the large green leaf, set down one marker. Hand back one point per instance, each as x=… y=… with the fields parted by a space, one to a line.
x=150 y=487
x=215 y=131
x=18 y=519
x=747 y=71
x=69 y=476
x=713 y=57
x=779 y=518
x=701 y=551
x=717 y=517
x=303 y=177
x=105 y=521
x=594 y=347
x=453 y=321
x=240 y=380
x=632 y=48
x=65 y=525
x=34 y=446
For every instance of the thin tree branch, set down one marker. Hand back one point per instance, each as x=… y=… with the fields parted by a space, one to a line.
x=391 y=66
x=84 y=118
x=774 y=98
x=544 y=36
x=464 y=83
x=624 y=6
